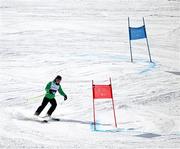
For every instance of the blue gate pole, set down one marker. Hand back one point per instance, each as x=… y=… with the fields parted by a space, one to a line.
x=147 y=42
x=130 y=39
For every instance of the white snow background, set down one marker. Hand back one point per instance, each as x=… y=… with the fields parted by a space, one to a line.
x=85 y=40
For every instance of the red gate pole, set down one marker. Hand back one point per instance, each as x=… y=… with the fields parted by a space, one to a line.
x=113 y=104
x=94 y=114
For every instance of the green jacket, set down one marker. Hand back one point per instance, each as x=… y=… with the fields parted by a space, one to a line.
x=53 y=86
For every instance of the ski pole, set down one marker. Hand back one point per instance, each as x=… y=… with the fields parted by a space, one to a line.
x=35 y=97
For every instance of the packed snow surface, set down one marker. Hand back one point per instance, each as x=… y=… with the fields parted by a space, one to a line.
x=85 y=40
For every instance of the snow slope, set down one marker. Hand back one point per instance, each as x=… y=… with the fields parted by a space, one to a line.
x=82 y=41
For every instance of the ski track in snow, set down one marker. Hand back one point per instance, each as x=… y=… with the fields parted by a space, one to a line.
x=83 y=41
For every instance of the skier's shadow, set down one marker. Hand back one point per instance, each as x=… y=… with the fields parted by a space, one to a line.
x=65 y=121
x=81 y=122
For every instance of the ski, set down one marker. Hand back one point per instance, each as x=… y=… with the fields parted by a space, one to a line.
x=46 y=118
x=40 y=119
x=44 y=121
x=55 y=119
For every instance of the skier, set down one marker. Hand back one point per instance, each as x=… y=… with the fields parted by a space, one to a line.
x=51 y=89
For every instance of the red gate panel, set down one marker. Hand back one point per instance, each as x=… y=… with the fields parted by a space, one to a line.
x=102 y=91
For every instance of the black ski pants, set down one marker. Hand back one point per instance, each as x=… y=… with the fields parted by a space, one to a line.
x=43 y=105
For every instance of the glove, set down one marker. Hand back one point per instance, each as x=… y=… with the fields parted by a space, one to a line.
x=65 y=97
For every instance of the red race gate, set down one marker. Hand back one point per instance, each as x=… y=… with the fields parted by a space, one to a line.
x=102 y=92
